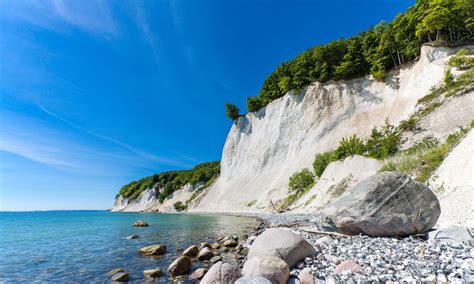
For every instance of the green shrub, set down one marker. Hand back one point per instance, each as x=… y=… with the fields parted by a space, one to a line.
x=232 y=111
x=349 y=147
x=421 y=160
x=448 y=78
x=461 y=60
x=252 y=203
x=179 y=206
x=384 y=143
x=408 y=125
x=321 y=161
x=301 y=180
x=254 y=104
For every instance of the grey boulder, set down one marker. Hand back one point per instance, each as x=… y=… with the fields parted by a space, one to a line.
x=386 y=204
x=221 y=273
x=283 y=244
x=453 y=234
x=273 y=268
x=180 y=266
x=253 y=280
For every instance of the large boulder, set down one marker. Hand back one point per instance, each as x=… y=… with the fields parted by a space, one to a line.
x=221 y=273
x=383 y=205
x=253 y=280
x=198 y=274
x=180 y=266
x=272 y=268
x=153 y=250
x=283 y=244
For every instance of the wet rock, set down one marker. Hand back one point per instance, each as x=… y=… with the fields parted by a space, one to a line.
x=180 y=266
x=120 y=277
x=204 y=245
x=385 y=204
x=153 y=250
x=140 y=223
x=132 y=237
x=114 y=271
x=216 y=259
x=205 y=254
x=348 y=265
x=274 y=269
x=152 y=273
x=283 y=244
x=306 y=276
x=198 y=274
x=230 y=243
x=216 y=246
x=222 y=273
x=253 y=280
x=191 y=251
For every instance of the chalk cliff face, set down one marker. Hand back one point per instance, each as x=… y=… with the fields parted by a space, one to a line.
x=148 y=201
x=264 y=149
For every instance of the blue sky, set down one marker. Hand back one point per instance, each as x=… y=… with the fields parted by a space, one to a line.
x=95 y=94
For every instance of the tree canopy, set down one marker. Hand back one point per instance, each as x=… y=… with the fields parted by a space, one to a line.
x=375 y=51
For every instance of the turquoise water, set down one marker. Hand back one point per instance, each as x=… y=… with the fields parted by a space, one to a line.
x=83 y=245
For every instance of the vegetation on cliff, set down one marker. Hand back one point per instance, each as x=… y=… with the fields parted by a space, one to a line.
x=168 y=182
x=375 y=51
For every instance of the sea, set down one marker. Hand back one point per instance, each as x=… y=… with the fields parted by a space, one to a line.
x=82 y=246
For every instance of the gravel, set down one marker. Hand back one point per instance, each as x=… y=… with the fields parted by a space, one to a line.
x=408 y=259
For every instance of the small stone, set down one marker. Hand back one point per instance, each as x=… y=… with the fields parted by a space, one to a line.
x=347 y=265
x=205 y=254
x=115 y=271
x=230 y=243
x=198 y=274
x=152 y=273
x=300 y=265
x=132 y=237
x=306 y=276
x=216 y=259
x=431 y=278
x=140 y=223
x=215 y=245
x=153 y=250
x=204 y=245
x=120 y=277
x=191 y=251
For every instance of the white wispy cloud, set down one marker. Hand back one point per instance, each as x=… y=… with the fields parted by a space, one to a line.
x=143 y=154
x=143 y=24
x=91 y=16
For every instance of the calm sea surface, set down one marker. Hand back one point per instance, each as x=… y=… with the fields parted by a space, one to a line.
x=82 y=246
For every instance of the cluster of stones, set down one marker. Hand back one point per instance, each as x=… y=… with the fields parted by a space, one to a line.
x=366 y=259
x=205 y=252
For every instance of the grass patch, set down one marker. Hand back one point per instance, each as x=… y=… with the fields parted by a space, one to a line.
x=252 y=203
x=339 y=188
x=292 y=198
x=421 y=160
x=313 y=197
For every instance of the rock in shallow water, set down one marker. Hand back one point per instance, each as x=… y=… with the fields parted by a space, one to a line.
x=191 y=251
x=180 y=266
x=283 y=244
x=205 y=254
x=120 y=277
x=153 y=273
x=114 y=271
x=140 y=223
x=385 y=204
x=153 y=250
x=198 y=274
x=272 y=268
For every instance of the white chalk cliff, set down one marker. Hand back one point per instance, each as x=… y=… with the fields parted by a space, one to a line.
x=264 y=149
